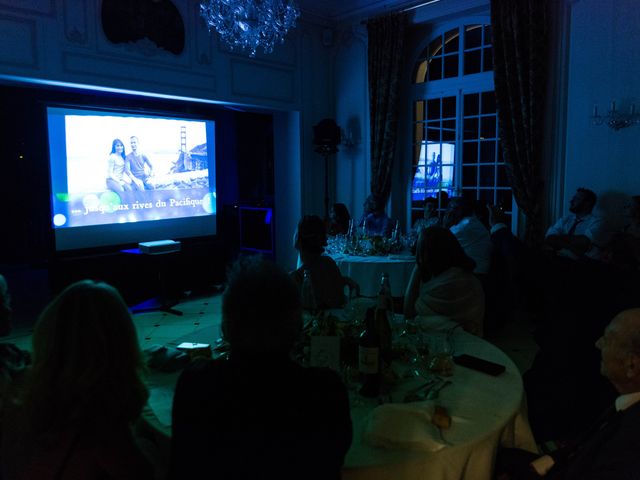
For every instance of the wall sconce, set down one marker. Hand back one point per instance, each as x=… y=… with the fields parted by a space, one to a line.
x=614 y=118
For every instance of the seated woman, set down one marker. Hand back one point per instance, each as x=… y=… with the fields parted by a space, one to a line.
x=73 y=416
x=117 y=178
x=258 y=414
x=328 y=283
x=443 y=283
x=340 y=219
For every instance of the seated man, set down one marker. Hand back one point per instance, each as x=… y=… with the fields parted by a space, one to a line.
x=609 y=448
x=258 y=414
x=375 y=221
x=470 y=232
x=579 y=234
x=430 y=216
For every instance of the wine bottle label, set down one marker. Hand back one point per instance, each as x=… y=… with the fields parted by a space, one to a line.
x=368 y=358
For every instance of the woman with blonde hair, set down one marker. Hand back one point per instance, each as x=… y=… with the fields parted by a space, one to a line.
x=73 y=417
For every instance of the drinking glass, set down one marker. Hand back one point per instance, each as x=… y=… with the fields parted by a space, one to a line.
x=441 y=354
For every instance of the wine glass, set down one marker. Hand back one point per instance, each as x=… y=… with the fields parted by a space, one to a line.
x=441 y=359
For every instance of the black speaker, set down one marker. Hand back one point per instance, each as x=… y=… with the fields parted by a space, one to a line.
x=326 y=133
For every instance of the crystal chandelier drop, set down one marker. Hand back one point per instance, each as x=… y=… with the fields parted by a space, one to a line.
x=249 y=24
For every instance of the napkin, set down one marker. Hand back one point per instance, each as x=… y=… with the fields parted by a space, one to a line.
x=403 y=426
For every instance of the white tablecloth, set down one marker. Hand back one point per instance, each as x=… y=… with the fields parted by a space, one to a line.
x=486 y=411
x=368 y=270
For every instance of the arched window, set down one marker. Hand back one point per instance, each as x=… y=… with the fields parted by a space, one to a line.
x=456 y=147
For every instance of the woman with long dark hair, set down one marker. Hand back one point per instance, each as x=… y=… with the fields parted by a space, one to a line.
x=117 y=178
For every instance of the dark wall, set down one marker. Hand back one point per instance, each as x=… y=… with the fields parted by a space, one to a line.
x=244 y=174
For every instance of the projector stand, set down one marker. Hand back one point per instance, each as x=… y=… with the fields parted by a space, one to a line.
x=161 y=303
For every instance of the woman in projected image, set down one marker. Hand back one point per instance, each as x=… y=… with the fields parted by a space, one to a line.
x=117 y=178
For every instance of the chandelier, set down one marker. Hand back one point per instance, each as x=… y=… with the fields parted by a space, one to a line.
x=616 y=119
x=249 y=24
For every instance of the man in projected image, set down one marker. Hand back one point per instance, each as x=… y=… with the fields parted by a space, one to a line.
x=139 y=167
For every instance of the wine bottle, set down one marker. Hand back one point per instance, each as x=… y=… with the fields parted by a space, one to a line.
x=384 y=311
x=369 y=357
x=308 y=297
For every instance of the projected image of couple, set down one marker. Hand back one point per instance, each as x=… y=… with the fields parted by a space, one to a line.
x=128 y=172
x=156 y=168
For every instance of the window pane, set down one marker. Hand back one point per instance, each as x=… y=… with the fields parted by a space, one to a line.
x=449 y=107
x=488 y=127
x=484 y=197
x=471 y=62
x=435 y=68
x=449 y=131
x=450 y=66
x=487 y=35
x=472 y=36
x=435 y=47
x=470 y=152
x=502 y=180
x=503 y=199
x=451 y=43
x=433 y=131
x=488 y=102
x=471 y=104
x=448 y=178
x=433 y=109
x=487 y=66
x=470 y=193
x=469 y=176
x=488 y=151
x=470 y=129
x=487 y=176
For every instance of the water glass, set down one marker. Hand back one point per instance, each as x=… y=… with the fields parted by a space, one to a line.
x=441 y=354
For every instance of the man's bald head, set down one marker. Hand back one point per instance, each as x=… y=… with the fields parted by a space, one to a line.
x=620 y=349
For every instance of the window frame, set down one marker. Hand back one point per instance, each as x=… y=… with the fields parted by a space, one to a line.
x=458 y=86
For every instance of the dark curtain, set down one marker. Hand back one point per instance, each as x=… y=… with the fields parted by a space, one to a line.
x=386 y=40
x=520 y=31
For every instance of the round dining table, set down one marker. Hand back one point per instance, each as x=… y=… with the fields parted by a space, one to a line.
x=367 y=271
x=395 y=439
x=398 y=441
